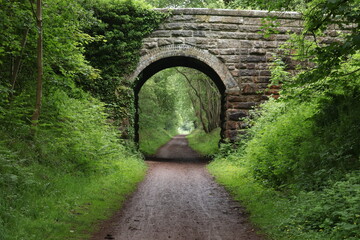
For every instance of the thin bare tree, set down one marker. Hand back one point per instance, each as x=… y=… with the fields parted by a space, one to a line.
x=205 y=98
x=39 y=24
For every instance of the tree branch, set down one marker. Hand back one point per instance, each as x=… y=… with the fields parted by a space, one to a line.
x=33 y=10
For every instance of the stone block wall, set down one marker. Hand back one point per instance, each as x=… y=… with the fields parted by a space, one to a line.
x=235 y=39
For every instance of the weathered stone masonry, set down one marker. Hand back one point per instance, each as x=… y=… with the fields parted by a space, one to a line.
x=225 y=44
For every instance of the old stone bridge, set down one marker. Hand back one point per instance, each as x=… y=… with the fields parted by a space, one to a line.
x=229 y=47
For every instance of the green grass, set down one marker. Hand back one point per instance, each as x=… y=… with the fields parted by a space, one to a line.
x=205 y=144
x=152 y=139
x=46 y=203
x=60 y=180
x=271 y=212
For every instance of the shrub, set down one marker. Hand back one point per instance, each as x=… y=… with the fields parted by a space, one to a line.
x=273 y=151
x=335 y=210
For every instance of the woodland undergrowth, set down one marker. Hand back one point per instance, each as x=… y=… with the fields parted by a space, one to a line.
x=59 y=182
x=61 y=175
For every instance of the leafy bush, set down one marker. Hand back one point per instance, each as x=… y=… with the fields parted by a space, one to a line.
x=274 y=151
x=57 y=178
x=76 y=130
x=53 y=183
x=331 y=213
x=119 y=30
x=334 y=210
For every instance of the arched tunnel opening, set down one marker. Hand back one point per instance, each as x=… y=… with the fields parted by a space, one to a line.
x=174 y=62
x=178 y=61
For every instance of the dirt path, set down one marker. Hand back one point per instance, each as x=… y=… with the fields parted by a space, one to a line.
x=178 y=200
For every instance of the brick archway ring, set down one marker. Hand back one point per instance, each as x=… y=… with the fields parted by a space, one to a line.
x=186 y=51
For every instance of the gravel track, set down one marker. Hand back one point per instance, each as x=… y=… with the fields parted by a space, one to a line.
x=178 y=199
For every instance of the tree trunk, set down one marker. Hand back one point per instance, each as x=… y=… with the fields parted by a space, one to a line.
x=17 y=63
x=207 y=103
x=36 y=115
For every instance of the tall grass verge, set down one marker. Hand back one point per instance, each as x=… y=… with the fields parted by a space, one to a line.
x=59 y=180
x=298 y=171
x=270 y=211
x=203 y=143
x=152 y=139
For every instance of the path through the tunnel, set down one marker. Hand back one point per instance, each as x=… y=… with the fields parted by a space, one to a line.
x=178 y=199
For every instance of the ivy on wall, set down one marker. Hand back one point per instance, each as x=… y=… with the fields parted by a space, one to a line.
x=119 y=31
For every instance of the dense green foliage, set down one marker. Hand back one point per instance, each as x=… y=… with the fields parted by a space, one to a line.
x=119 y=30
x=187 y=3
x=53 y=184
x=272 y=212
x=323 y=142
x=278 y=5
x=328 y=214
x=58 y=177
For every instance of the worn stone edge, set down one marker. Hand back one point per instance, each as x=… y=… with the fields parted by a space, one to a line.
x=231 y=12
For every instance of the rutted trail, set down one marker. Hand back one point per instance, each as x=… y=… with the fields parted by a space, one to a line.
x=178 y=200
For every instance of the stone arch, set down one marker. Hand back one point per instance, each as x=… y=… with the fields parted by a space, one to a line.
x=185 y=56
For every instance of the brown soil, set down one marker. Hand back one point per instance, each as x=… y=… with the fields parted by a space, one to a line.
x=178 y=200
